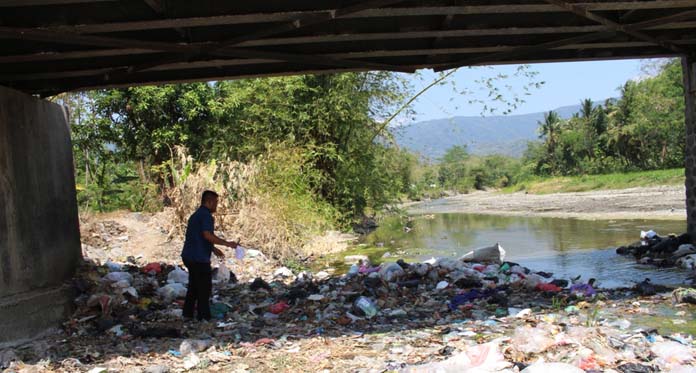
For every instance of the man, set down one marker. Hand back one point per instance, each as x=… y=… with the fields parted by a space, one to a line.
x=198 y=246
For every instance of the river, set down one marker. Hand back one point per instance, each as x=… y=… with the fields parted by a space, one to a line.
x=564 y=247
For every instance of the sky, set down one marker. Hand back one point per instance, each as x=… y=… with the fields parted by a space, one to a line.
x=565 y=83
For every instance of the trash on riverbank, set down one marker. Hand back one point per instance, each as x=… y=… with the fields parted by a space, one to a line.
x=667 y=251
x=443 y=314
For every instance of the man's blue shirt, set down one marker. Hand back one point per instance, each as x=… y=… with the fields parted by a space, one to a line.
x=197 y=248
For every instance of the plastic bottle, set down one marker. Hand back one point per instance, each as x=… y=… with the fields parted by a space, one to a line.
x=367 y=306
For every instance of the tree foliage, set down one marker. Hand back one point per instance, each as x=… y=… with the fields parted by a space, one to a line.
x=334 y=121
x=642 y=130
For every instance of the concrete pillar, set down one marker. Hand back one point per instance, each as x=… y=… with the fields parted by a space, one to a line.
x=689 y=72
x=39 y=228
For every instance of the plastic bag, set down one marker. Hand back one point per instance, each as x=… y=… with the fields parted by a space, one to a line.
x=532 y=280
x=121 y=284
x=223 y=273
x=191 y=346
x=118 y=276
x=468 y=297
x=672 y=352
x=172 y=291
x=113 y=267
x=239 y=252
x=478 y=358
x=532 y=340
x=542 y=367
x=178 y=276
x=542 y=286
x=154 y=268
x=491 y=254
x=684 y=249
x=583 y=289
x=278 y=308
x=391 y=272
x=450 y=264
x=647 y=235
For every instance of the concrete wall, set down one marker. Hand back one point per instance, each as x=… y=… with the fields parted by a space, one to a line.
x=689 y=70
x=39 y=232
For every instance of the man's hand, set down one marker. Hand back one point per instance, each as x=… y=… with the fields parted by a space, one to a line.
x=218 y=253
x=232 y=244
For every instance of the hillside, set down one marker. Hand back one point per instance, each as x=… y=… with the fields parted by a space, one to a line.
x=502 y=134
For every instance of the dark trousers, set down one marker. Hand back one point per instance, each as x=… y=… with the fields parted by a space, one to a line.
x=199 y=288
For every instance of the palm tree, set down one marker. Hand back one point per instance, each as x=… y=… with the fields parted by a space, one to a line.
x=549 y=127
x=586 y=108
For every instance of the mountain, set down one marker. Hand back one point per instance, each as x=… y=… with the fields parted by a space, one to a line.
x=503 y=134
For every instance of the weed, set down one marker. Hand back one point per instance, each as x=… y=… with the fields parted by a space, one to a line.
x=592 y=316
x=558 y=303
x=294 y=265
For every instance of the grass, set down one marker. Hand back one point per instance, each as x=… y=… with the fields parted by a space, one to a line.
x=562 y=184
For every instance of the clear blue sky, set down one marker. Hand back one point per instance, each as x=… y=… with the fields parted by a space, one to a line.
x=565 y=84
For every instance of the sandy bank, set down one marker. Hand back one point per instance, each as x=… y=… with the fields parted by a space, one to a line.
x=663 y=202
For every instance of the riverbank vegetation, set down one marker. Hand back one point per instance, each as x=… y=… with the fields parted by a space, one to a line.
x=297 y=156
x=583 y=183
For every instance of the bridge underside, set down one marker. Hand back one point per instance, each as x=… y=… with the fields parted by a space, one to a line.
x=53 y=46
x=50 y=46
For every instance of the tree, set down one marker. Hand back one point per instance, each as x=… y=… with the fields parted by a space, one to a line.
x=453 y=169
x=549 y=128
x=332 y=118
x=642 y=130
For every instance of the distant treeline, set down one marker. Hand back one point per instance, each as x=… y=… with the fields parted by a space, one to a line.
x=641 y=130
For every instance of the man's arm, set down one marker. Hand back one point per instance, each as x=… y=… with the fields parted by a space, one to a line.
x=215 y=240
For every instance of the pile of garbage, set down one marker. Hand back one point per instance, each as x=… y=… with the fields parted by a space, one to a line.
x=103 y=233
x=475 y=313
x=667 y=251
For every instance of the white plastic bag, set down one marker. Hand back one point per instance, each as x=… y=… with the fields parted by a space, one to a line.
x=672 y=352
x=121 y=284
x=223 y=273
x=178 y=276
x=532 y=340
x=479 y=358
x=491 y=254
x=118 y=276
x=172 y=291
x=450 y=264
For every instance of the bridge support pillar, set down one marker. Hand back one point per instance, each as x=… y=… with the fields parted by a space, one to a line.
x=39 y=228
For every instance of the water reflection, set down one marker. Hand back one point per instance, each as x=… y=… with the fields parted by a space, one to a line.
x=566 y=246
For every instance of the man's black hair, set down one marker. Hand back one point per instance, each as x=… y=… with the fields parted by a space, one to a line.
x=208 y=195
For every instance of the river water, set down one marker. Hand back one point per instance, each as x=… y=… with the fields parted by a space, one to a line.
x=565 y=247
